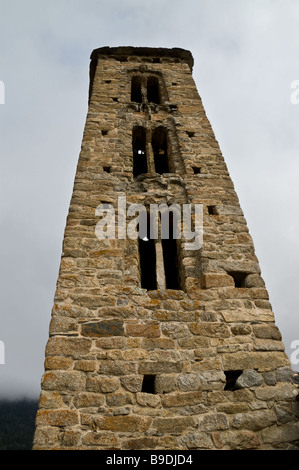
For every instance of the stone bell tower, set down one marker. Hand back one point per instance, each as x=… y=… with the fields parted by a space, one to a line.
x=157 y=342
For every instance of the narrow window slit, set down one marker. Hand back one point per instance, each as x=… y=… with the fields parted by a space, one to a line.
x=231 y=378
x=139 y=151
x=239 y=278
x=153 y=90
x=160 y=149
x=148 y=384
x=147 y=256
x=136 y=94
x=170 y=256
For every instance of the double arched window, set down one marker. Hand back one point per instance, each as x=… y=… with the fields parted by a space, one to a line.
x=146 y=89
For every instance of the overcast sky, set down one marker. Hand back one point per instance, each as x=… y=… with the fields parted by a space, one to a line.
x=246 y=55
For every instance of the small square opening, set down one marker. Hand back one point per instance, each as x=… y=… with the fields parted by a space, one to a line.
x=231 y=377
x=148 y=384
x=212 y=210
x=104 y=132
x=190 y=133
x=115 y=99
x=107 y=169
x=196 y=170
x=239 y=278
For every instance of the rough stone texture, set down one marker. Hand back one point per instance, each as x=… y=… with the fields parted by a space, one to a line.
x=210 y=351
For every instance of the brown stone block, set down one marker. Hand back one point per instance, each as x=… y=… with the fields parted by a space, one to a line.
x=159 y=343
x=101 y=439
x=117 y=368
x=85 y=400
x=197 y=440
x=133 y=383
x=46 y=437
x=148 y=330
x=57 y=418
x=63 y=380
x=103 y=328
x=102 y=384
x=51 y=400
x=64 y=346
x=182 y=399
x=142 y=443
x=209 y=281
x=174 y=425
x=215 y=330
x=254 y=360
x=85 y=365
x=58 y=362
x=121 y=424
x=159 y=367
x=255 y=420
x=237 y=440
x=267 y=332
x=279 y=392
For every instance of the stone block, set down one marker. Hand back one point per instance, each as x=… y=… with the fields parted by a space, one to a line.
x=68 y=347
x=182 y=399
x=57 y=418
x=213 y=422
x=103 y=328
x=209 y=281
x=118 y=424
x=249 y=378
x=175 y=425
x=132 y=383
x=254 y=360
x=63 y=380
x=152 y=368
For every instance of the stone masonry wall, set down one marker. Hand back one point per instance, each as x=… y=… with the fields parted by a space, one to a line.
x=211 y=350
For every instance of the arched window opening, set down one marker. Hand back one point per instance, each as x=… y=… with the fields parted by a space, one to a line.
x=160 y=150
x=170 y=255
x=139 y=151
x=147 y=258
x=136 y=94
x=153 y=90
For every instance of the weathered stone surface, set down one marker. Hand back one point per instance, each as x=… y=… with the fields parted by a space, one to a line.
x=57 y=418
x=213 y=422
x=63 y=380
x=197 y=440
x=249 y=378
x=254 y=360
x=103 y=328
x=254 y=421
x=144 y=330
x=100 y=439
x=173 y=425
x=118 y=423
x=279 y=392
x=74 y=347
x=133 y=383
x=182 y=399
